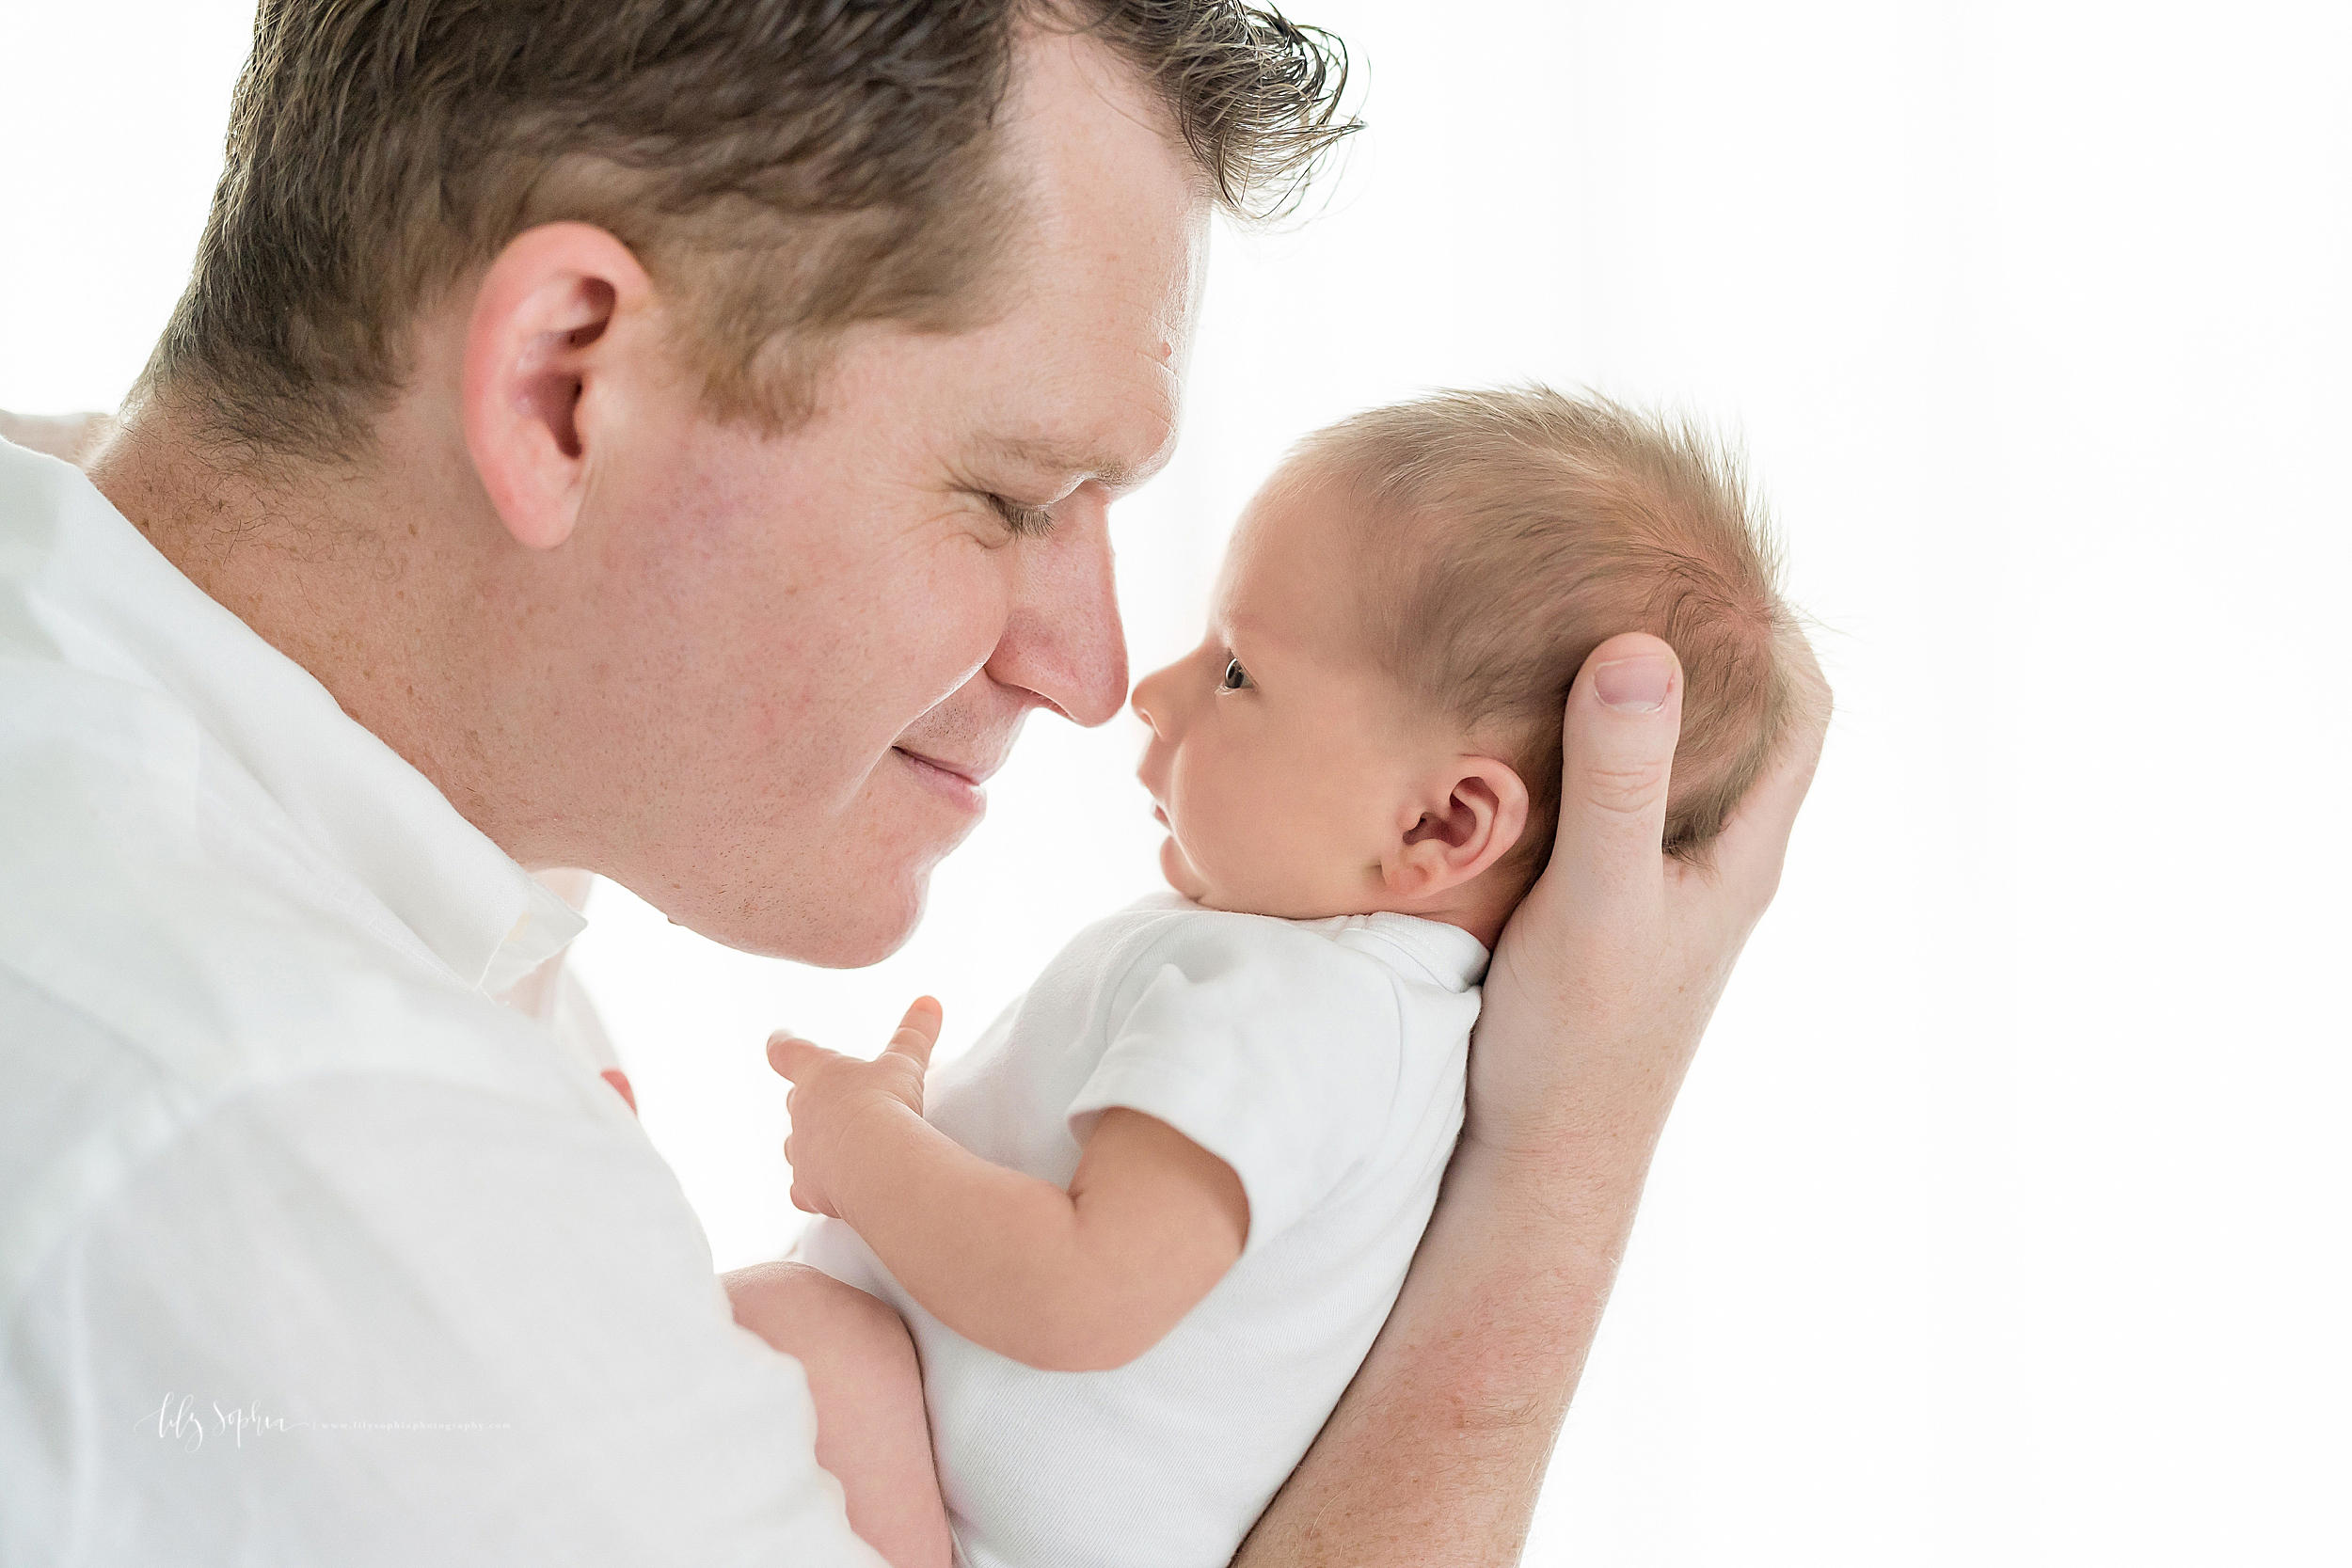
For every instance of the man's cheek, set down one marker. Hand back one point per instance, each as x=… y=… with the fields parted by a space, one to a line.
x=960 y=591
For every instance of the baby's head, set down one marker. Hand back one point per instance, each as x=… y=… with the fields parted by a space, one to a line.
x=1374 y=720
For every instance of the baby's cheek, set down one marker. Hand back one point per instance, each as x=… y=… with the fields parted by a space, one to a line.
x=1269 y=851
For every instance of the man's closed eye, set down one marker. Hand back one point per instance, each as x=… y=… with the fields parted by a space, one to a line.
x=1028 y=522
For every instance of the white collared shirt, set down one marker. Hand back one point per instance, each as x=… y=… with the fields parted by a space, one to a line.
x=309 y=1251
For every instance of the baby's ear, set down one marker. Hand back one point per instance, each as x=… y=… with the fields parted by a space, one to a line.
x=1466 y=817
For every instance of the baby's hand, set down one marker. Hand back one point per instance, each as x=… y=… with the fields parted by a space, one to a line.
x=832 y=1094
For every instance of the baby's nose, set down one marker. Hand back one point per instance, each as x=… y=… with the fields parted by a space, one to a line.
x=1142 y=702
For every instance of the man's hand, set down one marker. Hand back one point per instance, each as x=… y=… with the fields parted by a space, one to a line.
x=831 y=1094
x=1607 y=975
x=1600 y=988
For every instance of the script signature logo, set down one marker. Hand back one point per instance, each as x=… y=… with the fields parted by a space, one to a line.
x=178 y=1419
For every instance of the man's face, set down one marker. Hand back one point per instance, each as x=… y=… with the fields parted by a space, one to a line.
x=816 y=646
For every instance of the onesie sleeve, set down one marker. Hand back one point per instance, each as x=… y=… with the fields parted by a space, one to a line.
x=1270 y=1046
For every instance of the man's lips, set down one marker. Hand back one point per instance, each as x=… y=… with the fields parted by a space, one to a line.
x=957 y=783
x=975 y=774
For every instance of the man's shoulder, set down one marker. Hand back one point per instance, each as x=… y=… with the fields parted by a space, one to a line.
x=136 y=1010
x=133 y=894
x=149 y=884
x=164 y=953
x=213 y=973
x=159 y=905
x=97 y=1093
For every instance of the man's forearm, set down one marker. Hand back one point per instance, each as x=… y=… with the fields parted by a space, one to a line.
x=1436 y=1451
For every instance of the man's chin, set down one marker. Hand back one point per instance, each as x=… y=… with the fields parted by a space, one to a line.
x=827 y=928
x=864 y=925
x=854 y=944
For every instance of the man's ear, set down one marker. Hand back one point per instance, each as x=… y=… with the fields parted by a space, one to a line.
x=539 y=352
x=1463 y=820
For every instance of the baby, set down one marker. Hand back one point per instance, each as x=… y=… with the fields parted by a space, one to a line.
x=1144 y=1232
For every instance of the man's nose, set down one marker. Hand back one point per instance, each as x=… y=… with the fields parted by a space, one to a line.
x=1063 y=640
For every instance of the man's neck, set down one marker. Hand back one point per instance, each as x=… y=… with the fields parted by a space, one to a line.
x=339 y=569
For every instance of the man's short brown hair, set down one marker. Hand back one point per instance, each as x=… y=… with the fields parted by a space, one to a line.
x=783 y=168
x=1510 y=533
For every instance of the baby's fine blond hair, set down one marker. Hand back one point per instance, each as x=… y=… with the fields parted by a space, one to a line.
x=1508 y=534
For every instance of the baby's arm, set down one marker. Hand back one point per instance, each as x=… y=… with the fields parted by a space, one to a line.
x=1081 y=1281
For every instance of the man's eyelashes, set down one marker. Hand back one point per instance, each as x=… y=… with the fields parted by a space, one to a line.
x=1029 y=522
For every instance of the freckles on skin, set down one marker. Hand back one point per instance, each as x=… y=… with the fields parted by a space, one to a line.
x=912 y=631
x=752 y=623
x=799 y=645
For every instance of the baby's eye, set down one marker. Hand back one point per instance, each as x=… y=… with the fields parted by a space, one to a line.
x=1235 y=676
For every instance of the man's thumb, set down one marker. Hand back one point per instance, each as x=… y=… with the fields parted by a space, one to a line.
x=1618 y=750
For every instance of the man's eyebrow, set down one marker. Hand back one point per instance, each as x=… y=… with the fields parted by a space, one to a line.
x=1053 y=457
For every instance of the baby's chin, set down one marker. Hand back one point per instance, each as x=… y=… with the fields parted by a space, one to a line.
x=1181 y=875
x=1178 y=871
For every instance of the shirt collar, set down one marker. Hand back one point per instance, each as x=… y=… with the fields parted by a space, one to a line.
x=1454 y=957
x=111 y=601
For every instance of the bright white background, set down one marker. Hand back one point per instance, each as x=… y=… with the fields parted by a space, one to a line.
x=2004 y=1218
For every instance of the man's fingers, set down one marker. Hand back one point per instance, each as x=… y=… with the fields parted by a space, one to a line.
x=918 y=1032
x=1748 y=855
x=1618 y=750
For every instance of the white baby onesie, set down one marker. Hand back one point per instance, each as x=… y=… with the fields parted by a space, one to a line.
x=1324 y=1061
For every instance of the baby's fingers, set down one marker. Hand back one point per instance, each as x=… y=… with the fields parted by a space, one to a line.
x=918 y=1032
x=794 y=1057
x=808 y=1203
